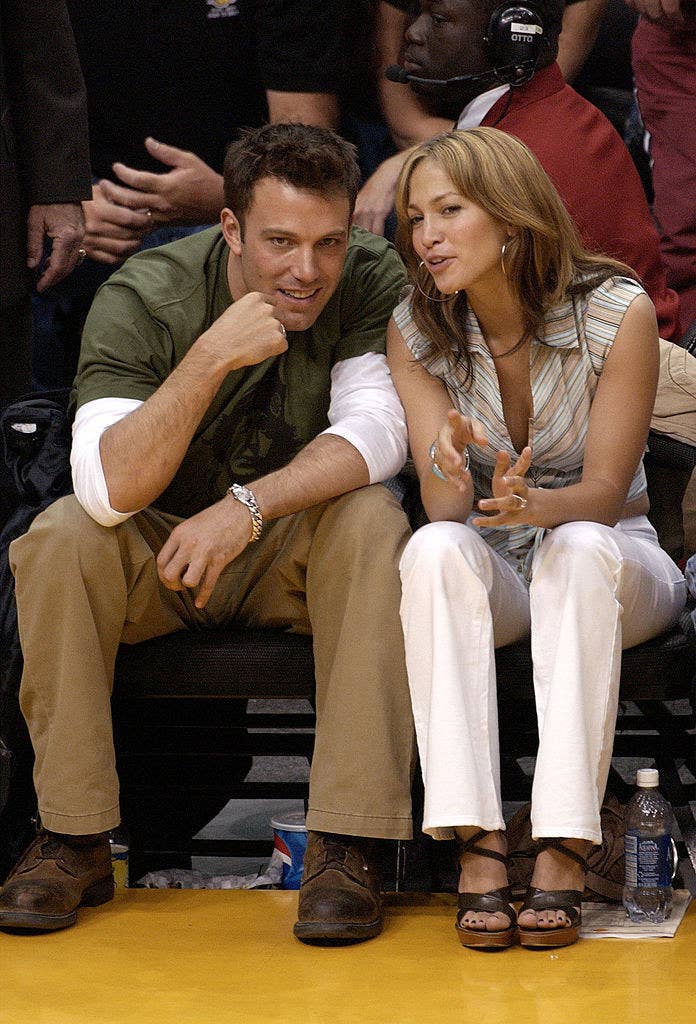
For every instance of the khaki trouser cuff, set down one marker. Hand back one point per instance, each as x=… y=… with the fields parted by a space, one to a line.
x=359 y=825
x=81 y=824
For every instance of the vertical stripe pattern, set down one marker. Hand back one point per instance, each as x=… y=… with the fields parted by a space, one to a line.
x=565 y=366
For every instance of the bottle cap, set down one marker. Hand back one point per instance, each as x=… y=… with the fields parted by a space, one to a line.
x=647 y=777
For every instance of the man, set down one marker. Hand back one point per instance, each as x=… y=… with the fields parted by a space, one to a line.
x=211 y=364
x=44 y=166
x=580 y=151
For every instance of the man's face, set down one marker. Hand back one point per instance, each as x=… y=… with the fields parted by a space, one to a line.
x=445 y=40
x=292 y=248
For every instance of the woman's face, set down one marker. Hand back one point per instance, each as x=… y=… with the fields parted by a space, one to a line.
x=459 y=242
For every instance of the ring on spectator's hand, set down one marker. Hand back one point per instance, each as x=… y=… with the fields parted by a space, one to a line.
x=81 y=255
x=283 y=331
x=148 y=213
x=521 y=502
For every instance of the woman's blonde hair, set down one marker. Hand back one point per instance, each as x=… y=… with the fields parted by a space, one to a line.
x=545 y=260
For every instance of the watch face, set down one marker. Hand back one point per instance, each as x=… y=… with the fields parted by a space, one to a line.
x=242 y=492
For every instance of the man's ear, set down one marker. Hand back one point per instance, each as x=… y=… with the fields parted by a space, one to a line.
x=231 y=231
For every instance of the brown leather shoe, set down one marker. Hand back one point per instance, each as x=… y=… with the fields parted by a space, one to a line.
x=52 y=879
x=340 y=895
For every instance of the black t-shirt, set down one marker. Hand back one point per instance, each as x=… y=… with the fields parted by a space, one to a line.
x=183 y=71
x=193 y=72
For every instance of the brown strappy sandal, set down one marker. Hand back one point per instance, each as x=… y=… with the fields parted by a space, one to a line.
x=567 y=900
x=497 y=901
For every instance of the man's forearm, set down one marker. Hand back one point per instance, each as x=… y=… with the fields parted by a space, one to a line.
x=328 y=466
x=141 y=452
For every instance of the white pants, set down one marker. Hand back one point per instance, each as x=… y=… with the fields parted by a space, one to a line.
x=595 y=590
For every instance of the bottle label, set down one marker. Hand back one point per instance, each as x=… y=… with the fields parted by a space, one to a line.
x=648 y=861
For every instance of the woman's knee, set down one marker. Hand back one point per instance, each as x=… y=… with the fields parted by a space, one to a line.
x=440 y=545
x=577 y=548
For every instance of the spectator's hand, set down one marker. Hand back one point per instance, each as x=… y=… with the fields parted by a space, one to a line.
x=454 y=435
x=199 y=549
x=114 y=232
x=376 y=198
x=64 y=224
x=510 y=503
x=189 y=193
x=247 y=333
x=665 y=12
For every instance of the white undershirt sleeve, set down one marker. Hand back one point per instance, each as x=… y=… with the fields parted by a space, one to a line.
x=91 y=421
x=365 y=410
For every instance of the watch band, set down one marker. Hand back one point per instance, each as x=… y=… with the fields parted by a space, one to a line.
x=243 y=494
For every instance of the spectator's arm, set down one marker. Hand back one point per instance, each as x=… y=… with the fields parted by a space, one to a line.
x=581 y=22
x=407 y=117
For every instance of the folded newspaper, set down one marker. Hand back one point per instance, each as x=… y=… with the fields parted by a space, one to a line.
x=609 y=921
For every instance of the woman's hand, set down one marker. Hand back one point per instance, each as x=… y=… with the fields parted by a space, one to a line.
x=450 y=446
x=511 y=492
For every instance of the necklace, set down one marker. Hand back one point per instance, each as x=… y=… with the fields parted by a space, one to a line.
x=508 y=352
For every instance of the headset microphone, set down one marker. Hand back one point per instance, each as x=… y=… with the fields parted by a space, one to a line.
x=395 y=73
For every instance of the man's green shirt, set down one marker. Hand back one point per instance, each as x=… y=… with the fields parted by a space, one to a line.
x=149 y=313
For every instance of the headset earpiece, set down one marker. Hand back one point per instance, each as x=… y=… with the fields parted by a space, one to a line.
x=516 y=39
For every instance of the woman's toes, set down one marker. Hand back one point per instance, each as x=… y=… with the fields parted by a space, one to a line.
x=485 y=922
x=543 y=919
x=497 y=922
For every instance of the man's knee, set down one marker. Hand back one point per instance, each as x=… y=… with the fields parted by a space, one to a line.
x=63 y=528
x=368 y=516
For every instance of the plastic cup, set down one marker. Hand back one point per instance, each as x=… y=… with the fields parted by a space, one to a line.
x=290 y=840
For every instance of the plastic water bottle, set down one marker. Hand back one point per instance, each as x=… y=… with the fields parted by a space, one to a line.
x=648 y=846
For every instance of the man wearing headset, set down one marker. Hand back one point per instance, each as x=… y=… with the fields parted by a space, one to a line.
x=471 y=64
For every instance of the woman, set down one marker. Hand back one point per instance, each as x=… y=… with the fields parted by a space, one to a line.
x=533 y=364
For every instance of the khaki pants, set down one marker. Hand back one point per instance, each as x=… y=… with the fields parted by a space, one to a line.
x=331 y=570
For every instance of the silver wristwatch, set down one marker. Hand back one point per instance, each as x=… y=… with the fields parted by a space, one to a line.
x=244 y=495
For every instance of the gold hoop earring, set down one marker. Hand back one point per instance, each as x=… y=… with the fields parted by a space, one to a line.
x=433 y=298
x=502 y=259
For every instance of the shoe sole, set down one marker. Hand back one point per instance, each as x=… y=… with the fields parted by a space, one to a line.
x=338 y=934
x=101 y=892
x=548 y=938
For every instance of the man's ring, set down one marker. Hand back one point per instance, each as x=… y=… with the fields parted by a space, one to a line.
x=81 y=255
x=521 y=502
x=283 y=331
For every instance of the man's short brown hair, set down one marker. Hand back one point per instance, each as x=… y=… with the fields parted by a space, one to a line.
x=304 y=156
